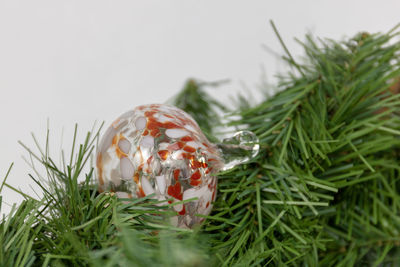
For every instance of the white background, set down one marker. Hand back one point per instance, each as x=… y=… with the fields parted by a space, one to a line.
x=81 y=61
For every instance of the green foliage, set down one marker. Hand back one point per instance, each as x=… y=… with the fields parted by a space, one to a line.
x=17 y=235
x=74 y=225
x=323 y=191
x=204 y=109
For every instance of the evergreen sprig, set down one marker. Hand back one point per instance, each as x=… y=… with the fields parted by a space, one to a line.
x=323 y=191
x=204 y=108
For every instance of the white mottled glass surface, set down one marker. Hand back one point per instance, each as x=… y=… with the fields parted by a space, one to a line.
x=159 y=149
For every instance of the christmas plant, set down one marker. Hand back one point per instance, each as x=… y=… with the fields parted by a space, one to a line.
x=324 y=190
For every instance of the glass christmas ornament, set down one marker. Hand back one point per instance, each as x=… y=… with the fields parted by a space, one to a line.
x=159 y=149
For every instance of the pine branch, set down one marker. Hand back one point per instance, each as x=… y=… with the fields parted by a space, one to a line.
x=204 y=108
x=323 y=191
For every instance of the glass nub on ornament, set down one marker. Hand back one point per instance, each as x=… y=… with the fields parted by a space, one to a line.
x=159 y=149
